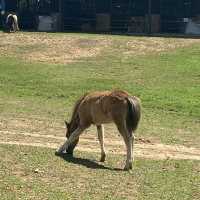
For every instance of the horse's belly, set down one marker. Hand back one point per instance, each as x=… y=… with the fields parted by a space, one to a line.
x=102 y=121
x=99 y=117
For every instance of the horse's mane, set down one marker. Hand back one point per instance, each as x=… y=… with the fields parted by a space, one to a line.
x=75 y=118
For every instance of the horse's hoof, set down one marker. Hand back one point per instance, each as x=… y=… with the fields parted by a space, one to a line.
x=69 y=154
x=103 y=158
x=57 y=153
x=128 y=167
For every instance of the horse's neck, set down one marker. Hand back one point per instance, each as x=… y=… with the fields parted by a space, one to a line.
x=74 y=123
x=75 y=118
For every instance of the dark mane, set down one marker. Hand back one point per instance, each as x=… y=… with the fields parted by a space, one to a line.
x=75 y=118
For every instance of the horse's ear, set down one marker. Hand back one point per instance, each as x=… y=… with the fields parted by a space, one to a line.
x=66 y=124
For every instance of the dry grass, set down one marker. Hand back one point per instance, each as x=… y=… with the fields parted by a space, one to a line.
x=49 y=48
x=65 y=48
x=147 y=45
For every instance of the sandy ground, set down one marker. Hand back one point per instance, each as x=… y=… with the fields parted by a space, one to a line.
x=23 y=132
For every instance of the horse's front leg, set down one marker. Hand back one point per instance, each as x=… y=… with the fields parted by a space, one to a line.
x=100 y=130
x=74 y=136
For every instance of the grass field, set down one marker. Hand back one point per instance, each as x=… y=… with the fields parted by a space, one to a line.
x=41 y=78
x=33 y=173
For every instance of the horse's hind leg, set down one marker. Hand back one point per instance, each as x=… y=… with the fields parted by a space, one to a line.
x=71 y=139
x=100 y=130
x=128 y=139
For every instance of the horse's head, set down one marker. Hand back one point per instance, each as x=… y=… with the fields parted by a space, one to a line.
x=69 y=130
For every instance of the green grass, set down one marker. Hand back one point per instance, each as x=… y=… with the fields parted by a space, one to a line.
x=167 y=83
x=35 y=173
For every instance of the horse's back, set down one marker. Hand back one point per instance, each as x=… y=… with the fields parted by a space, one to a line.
x=102 y=107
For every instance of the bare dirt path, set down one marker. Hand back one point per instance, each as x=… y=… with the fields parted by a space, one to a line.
x=143 y=148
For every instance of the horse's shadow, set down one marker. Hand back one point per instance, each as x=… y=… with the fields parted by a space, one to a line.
x=85 y=162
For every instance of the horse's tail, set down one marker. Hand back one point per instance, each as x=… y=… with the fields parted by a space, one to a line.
x=12 y=22
x=133 y=114
x=9 y=16
x=16 y=22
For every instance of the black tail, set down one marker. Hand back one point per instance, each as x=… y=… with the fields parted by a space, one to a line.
x=134 y=113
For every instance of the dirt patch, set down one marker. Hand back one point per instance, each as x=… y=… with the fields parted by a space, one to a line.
x=50 y=134
x=144 y=150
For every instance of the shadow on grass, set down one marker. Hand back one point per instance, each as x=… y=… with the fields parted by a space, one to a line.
x=85 y=162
